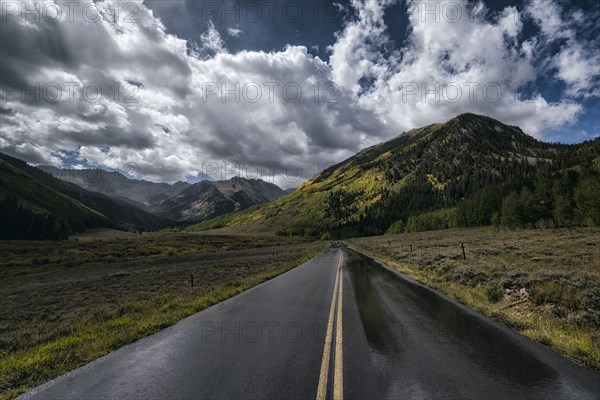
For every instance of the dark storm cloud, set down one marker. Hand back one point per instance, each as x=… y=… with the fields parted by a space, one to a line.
x=89 y=45
x=27 y=49
x=108 y=137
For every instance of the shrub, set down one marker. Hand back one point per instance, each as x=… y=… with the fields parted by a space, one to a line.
x=471 y=277
x=591 y=298
x=515 y=280
x=396 y=228
x=434 y=220
x=552 y=292
x=494 y=293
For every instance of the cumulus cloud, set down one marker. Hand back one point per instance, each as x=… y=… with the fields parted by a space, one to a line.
x=211 y=40
x=235 y=32
x=131 y=94
x=117 y=90
x=577 y=62
x=470 y=60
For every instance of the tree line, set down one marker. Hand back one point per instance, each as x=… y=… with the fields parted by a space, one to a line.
x=23 y=223
x=562 y=199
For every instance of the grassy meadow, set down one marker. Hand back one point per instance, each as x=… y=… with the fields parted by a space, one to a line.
x=67 y=303
x=544 y=283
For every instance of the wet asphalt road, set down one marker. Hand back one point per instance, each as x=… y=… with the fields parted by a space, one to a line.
x=388 y=338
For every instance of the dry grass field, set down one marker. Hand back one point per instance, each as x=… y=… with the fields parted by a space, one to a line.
x=544 y=283
x=67 y=303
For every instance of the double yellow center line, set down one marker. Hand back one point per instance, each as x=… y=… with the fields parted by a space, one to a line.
x=338 y=363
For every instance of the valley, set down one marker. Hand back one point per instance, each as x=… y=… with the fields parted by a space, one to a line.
x=48 y=203
x=469 y=171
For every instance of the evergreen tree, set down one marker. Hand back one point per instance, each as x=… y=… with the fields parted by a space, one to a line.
x=562 y=193
x=543 y=192
x=587 y=200
x=528 y=211
x=511 y=217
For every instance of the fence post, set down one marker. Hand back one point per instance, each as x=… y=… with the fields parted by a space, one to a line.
x=462 y=245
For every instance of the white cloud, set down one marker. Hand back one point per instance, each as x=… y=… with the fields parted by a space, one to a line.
x=92 y=155
x=547 y=15
x=577 y=63
x=235 y=32
x=473 y=57
x=579 y=70
x=211 y=40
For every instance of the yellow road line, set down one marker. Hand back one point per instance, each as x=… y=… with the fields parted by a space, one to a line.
x=338 y=376
x=322 y=388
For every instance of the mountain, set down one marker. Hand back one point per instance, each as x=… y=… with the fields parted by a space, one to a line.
x=24 y=198
x=140 y=193
x=64 y=207
x=176 y=188
x=430 y=168
x=180 y=201
x=207 y=199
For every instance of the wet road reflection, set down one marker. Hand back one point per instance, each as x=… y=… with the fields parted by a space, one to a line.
x=426 y=346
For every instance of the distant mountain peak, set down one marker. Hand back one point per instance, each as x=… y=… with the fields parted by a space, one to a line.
x=207 y=199
x=114 y=184
x=69 y=206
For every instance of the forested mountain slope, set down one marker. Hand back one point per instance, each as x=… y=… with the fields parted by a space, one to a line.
x=431 y=168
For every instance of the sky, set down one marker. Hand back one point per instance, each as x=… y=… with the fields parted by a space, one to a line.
x=281 y=89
